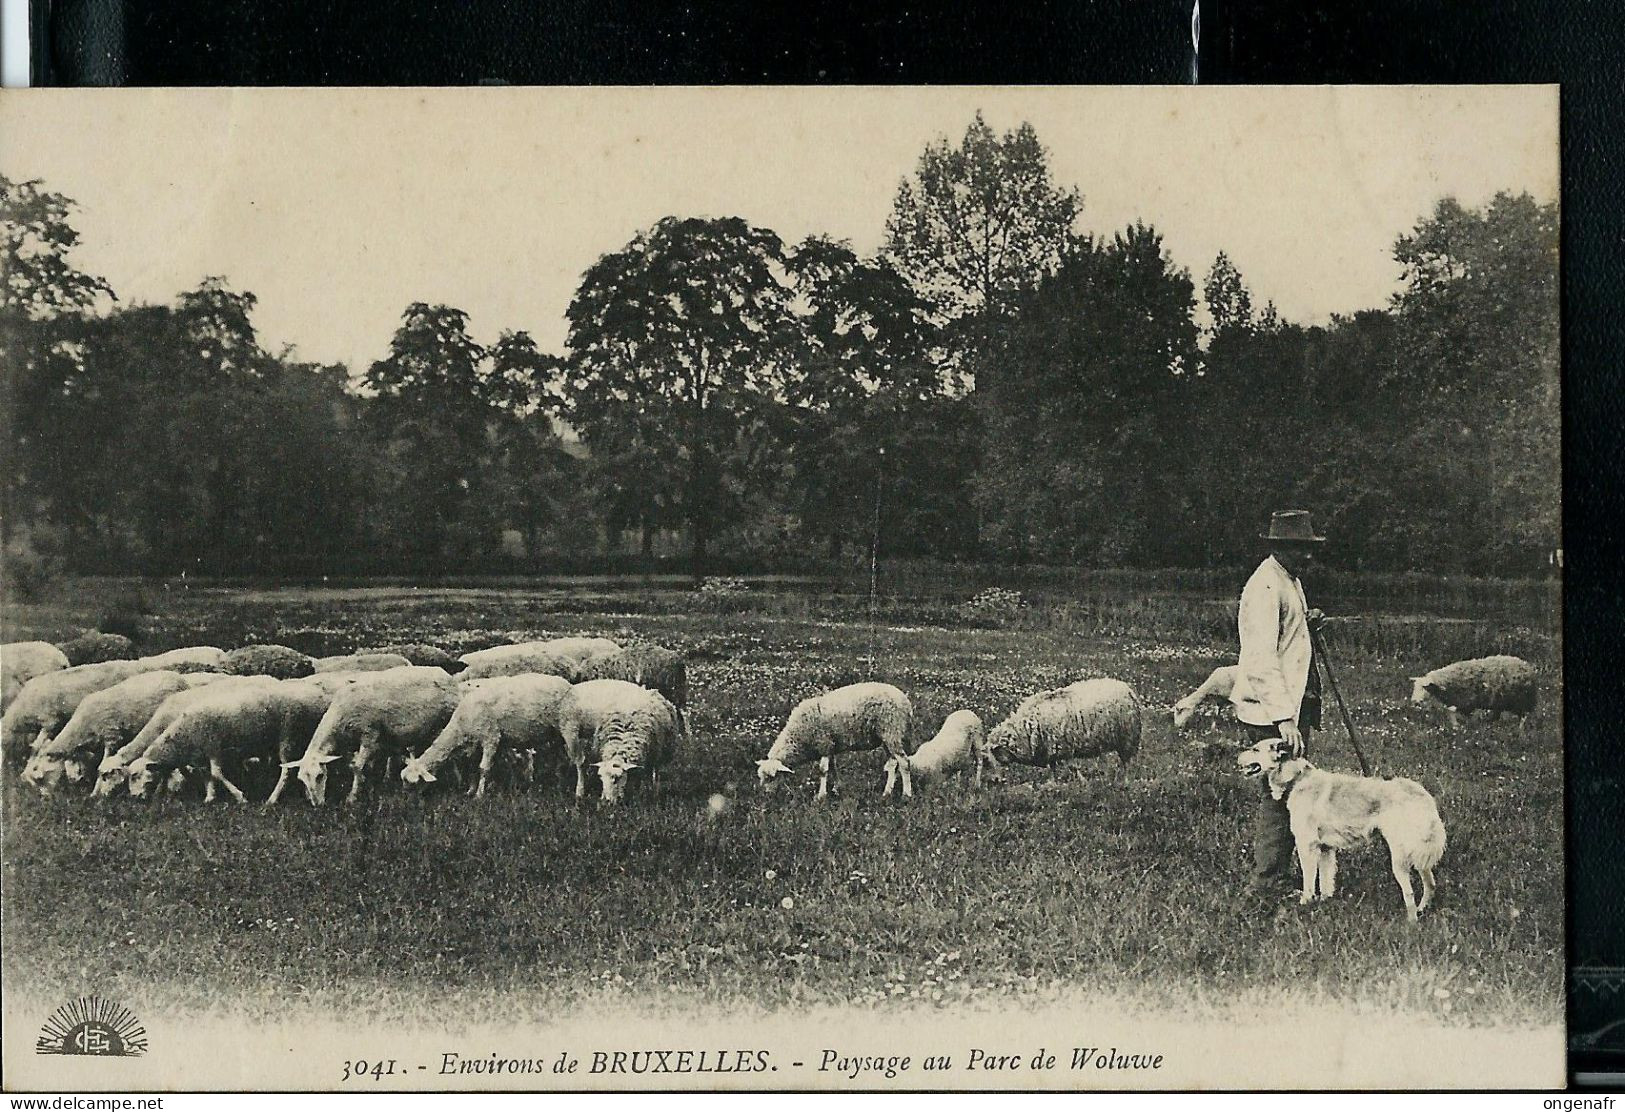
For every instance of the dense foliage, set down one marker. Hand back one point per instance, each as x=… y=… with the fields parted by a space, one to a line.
x=991 y=385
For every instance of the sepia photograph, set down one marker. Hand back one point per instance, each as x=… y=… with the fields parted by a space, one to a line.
x=781 y=588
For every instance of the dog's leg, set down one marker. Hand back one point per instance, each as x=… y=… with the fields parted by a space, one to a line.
x=1427 y=890
x=1328 y=872
x=1308 y=859
x=1402 y=874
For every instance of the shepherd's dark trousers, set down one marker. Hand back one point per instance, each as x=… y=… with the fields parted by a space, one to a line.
x=1273 y=848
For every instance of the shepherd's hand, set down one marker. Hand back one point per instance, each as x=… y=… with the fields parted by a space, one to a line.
x=1292 y=736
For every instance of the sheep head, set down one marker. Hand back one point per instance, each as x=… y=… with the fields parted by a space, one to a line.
x=1183 y=712
x=111 y=776
x=1421 y=690
x=142 y=775
x=612 y=774
x=769 y=770
x=313 y=775
x=76 y=768
x=43 y=772
x=416 y=772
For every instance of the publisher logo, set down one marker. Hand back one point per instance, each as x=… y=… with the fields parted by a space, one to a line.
x=93 y=1026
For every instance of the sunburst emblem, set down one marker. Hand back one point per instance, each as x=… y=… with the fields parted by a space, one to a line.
x=91 y=1025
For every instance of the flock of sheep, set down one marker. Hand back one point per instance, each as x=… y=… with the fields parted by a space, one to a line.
x=141 y=722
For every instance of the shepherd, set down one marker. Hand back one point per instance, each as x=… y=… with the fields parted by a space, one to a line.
x=1277 y=690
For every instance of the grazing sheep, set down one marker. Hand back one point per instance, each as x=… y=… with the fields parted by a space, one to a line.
x=114 y=770
x=21 y=661
x=959 y=745
x=265 y=720
x=562 y=656
x=196 y=658
x=1498 y=684
x=277 y=661
x=504 y=713
x=1216 y=687
x=362 y=662
x=1086 y=719
x=95 y=647
x=103 y=723
x=427 y=656
x=856 y=717
x=46 y=703
x=401 y=711
x=648 y=666
x=624 y=726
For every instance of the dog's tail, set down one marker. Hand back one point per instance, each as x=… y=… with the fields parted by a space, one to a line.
x=1427 y=844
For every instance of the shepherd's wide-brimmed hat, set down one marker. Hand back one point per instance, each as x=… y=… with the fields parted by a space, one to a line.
x=1291 y=526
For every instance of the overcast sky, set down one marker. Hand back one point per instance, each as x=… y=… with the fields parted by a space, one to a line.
x=337 y=208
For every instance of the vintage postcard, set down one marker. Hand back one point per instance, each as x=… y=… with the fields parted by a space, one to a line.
x=781 y=589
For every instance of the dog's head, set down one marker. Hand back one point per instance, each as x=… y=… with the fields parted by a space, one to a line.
x=1272 y=758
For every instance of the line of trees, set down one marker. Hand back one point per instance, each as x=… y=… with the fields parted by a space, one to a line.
x=991 y=385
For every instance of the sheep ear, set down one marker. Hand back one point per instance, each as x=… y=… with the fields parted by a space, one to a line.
x=329 y=757
x=290 y=764
x=428 y=777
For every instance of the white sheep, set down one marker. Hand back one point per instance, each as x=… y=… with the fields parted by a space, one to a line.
x=618 y=726
x=1497 y=684
x=1217 y=687
x=1085 y=719
x=398 y=711
x=504 y=713
x=269 y=660
x=21 y=661
x=114 y=770
x=960 y=744
x=848 y=719
x=193 y=658
x=265 y=720
x=46 y=702
x=648 y=666
x=361 y=662
x=562 y=656
x=105 y=722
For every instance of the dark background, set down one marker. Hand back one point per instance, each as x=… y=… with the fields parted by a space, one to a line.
x=460 y=42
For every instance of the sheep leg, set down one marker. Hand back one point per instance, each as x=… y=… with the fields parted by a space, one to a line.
x=1402 y=875
x=488 y=757
x=581 y=779
x=208 y=790
x=1427 y=890
x=217 y=773
x=358 y=764
x=891 y=778
x=654 y=782
x=825 y=766
x=1455 y=717
x=908 y=779
x=282 y=782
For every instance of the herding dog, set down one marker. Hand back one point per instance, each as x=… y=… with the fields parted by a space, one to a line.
x=1334 y=810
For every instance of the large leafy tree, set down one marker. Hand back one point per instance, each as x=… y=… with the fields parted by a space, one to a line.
x=861 y=396
x=1075 y=400
x=978 y=223
x=428 y=414
x=1479 y=318
x=680 y=344
x=46 y=302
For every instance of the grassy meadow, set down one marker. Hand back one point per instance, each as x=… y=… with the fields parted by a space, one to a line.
x=1051 y=883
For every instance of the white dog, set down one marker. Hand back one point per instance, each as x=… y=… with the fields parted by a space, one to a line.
x=1334 y=810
